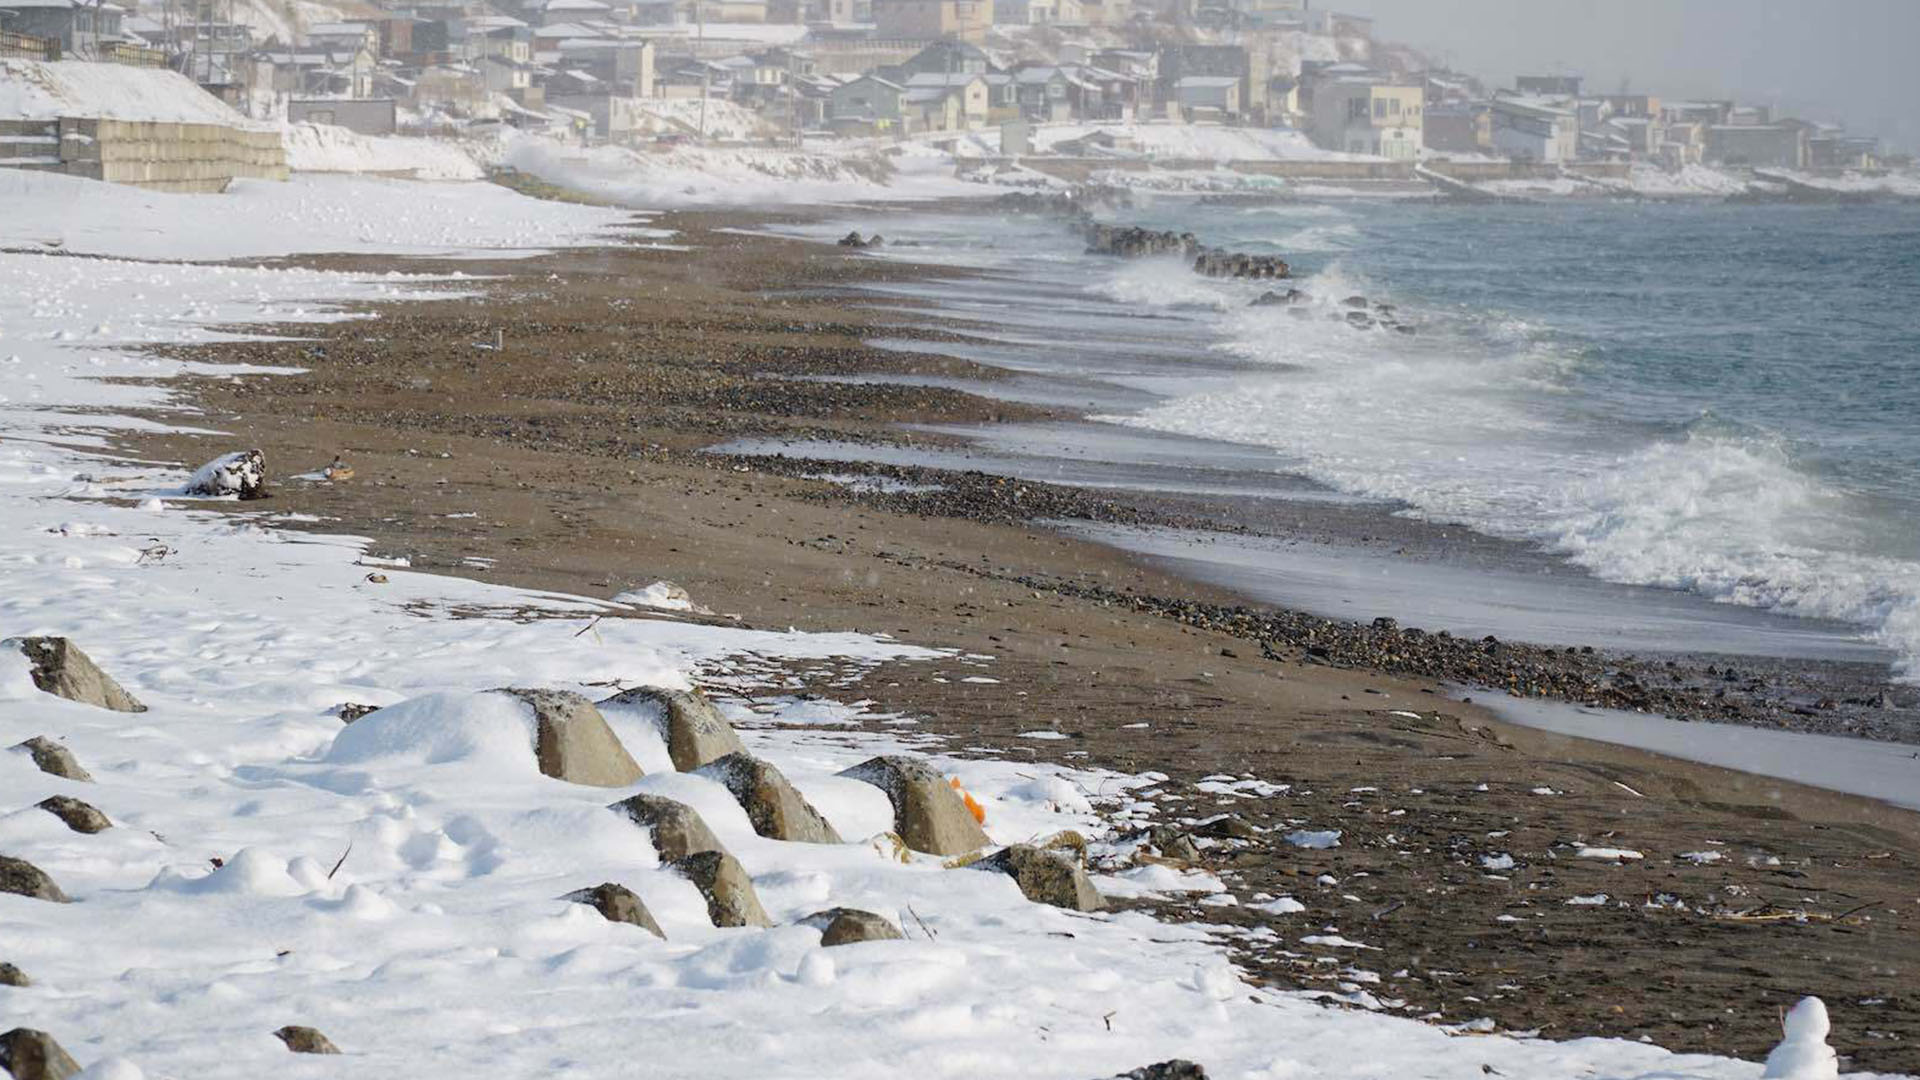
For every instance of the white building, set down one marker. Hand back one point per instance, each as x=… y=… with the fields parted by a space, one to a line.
x=1527 y=130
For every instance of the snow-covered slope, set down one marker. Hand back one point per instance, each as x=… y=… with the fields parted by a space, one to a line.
x=1201 y=142
x=702 y=175
x=328 y=148
x=38 y=90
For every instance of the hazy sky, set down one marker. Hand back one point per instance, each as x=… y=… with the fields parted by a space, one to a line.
x=1854 y=61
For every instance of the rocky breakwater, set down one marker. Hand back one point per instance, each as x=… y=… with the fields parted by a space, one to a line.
x=1132 y=242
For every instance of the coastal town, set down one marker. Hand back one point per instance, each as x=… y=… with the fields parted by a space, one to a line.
x=1200 y=93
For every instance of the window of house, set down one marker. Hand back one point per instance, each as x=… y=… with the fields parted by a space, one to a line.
x=1393 y=106
x=1379 y=108
x=1356 y=108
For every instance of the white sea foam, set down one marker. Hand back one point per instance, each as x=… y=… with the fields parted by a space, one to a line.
x=1167 y=282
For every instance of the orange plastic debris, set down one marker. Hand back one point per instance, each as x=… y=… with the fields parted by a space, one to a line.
x=973 y=807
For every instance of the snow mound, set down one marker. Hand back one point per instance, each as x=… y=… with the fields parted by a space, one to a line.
x=38 y=90
x=492 y=730
x=327 y=148
x=664 y=595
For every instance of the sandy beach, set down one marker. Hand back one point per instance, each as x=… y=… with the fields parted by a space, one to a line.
x=1470 y=852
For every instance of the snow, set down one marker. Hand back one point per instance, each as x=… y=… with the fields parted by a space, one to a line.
x=1196 y=142
x=735 y=176
x=724 y=120
x=396 y=882
x=1651 y=180
x=664 y=595
x=257 y=218
x=328 y=148
x=39 y=90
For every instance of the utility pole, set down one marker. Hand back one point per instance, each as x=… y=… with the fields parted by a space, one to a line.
x=706 y=72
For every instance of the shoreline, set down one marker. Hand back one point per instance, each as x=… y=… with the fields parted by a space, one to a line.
x=557 y=515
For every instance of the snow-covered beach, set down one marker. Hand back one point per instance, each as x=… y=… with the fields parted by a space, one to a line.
x=441 y=943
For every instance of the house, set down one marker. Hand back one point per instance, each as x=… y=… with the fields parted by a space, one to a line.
x=868 y=101
x=1842 y=151
x=456 y=89
x=973 y=98
x=1458 y=129
x=1643 y=106
x=368 y=116
x=505 y=75
x=83 y=29
x=1176 y=62
x=1781 y=146
x=311 y=73
x=1642 y=134
x=1208 y=95
x=343 y=36
x=573 y=11
x=925 y=20
x=1367 y=116
x=946 y=57
x=624 y=64
x=1039 y=12
x=1527 y=129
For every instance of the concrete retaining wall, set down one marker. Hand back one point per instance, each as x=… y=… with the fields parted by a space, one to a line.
x=158 y=156
x=169 y=157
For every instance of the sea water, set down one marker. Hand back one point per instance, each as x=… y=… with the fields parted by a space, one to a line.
x=1716 y=398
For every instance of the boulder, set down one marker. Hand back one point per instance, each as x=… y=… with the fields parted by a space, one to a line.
x=61 y=669
x=845 y=926
x=349 y=711
x=1045 y=877
x=927 y=813
x=79 y=816
x=34 y=1055
x=573 y=742
x=13 y=976
x=242 y=474
x=54 y=759
x=777 y=810
x=695 y=732
x=1355 y=301
x=1173 y=843
x=678 y=829
x=1165 y=1070
x=719 y=876
x=305 y=1040
x=617 y=903
x=22 y=878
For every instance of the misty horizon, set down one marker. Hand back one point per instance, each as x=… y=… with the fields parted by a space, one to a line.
x=1838 y=63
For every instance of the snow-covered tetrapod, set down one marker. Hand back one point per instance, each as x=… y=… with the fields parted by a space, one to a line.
x=1803 y=1053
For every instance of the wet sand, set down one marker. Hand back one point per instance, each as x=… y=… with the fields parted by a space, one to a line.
x=576 y=451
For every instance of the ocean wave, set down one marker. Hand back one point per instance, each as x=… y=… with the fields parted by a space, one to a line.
x=1168 y=282
x=1472 y=421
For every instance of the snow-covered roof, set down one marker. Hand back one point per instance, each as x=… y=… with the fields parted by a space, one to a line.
x=338 y=29
x=1206 y=81
x=576 y=5
x=943 y=78
x=567 y=30
x=493 y=22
